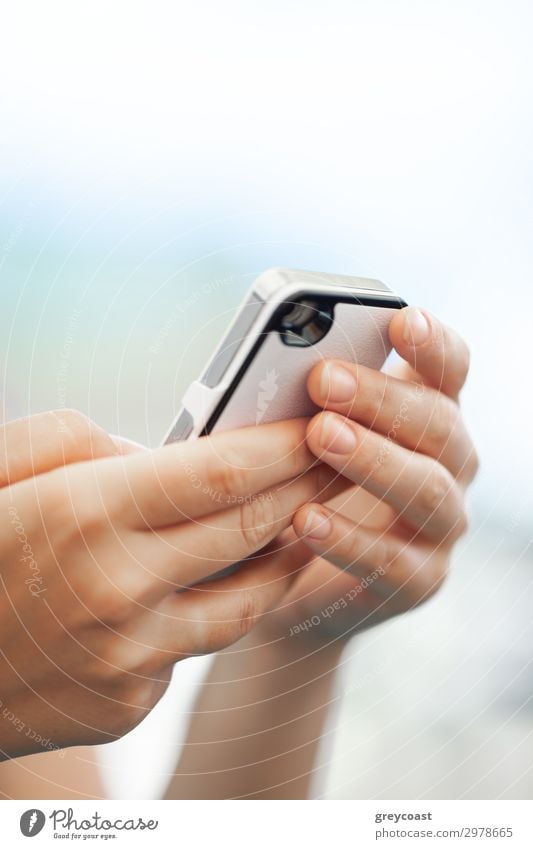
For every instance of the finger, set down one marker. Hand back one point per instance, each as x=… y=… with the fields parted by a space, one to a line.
x=421 y=490
x=436 y=352
x=125 y=445
x=208 y=618
x=183 y=481
x=37 y=444
x=194 y=550
x=388 y=565
x=416 y=416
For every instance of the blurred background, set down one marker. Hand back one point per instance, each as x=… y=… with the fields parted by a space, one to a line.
x=155 y=157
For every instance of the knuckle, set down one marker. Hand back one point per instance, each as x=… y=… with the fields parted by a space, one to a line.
x=457 y=524
x=420 y=575
x=112 y=609
x=375 y=392
x=211 y=637
x=104 y=604
x=208 y=638
x=248 y=612
x=123 y=662
x=132 y=698
x=257 y=516
x=368 y=457
x=230 y=632
x=105 y=665
x=117 y=666
x=52 y=494
x=202 y=634
x=229 y=478
x=435 y=581
x=444 y=420
x=138 y=692
x=80 y=434
x=387 y=555
x=125 y=586
x=214 y=636
x=91 y=516
x=72 y=501
x=461 y=523
x=429 y=586
x=436 y=489
x=71 y=422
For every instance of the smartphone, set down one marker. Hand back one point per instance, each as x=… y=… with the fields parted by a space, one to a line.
x=288 y=321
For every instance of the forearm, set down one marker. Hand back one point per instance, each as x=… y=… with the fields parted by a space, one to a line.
x=258 y=721
x=67 y=774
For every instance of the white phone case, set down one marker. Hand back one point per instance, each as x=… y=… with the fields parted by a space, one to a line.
x=254 y=377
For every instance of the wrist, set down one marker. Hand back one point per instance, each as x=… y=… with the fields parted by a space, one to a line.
x=296 y=657
x=299 y=630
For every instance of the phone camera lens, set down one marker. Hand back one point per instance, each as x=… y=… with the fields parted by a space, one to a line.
x=306 y=322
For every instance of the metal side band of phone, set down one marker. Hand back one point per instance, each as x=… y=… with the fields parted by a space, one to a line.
x=216 y=368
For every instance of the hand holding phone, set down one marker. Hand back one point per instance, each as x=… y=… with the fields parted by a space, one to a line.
x=95 y=544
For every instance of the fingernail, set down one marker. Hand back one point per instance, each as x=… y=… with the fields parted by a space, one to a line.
x=337 y=436
x=337 y=384
x=415 y=327
x=317 y=525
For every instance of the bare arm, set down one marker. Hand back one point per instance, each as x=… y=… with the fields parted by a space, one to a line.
x=258 y=721
x=68 y=774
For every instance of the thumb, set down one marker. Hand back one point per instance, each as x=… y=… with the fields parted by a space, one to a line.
x=37 y=444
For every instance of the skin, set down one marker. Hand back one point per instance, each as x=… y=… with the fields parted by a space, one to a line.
x=387 y=548
x=379 y=549
x=411 y=465
x=92 y=553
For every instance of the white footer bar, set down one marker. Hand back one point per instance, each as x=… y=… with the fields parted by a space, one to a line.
x=269 y=825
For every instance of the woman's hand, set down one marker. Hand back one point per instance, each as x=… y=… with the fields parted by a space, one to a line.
x=91 y=555
x=380 y=548
x=384 y=546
